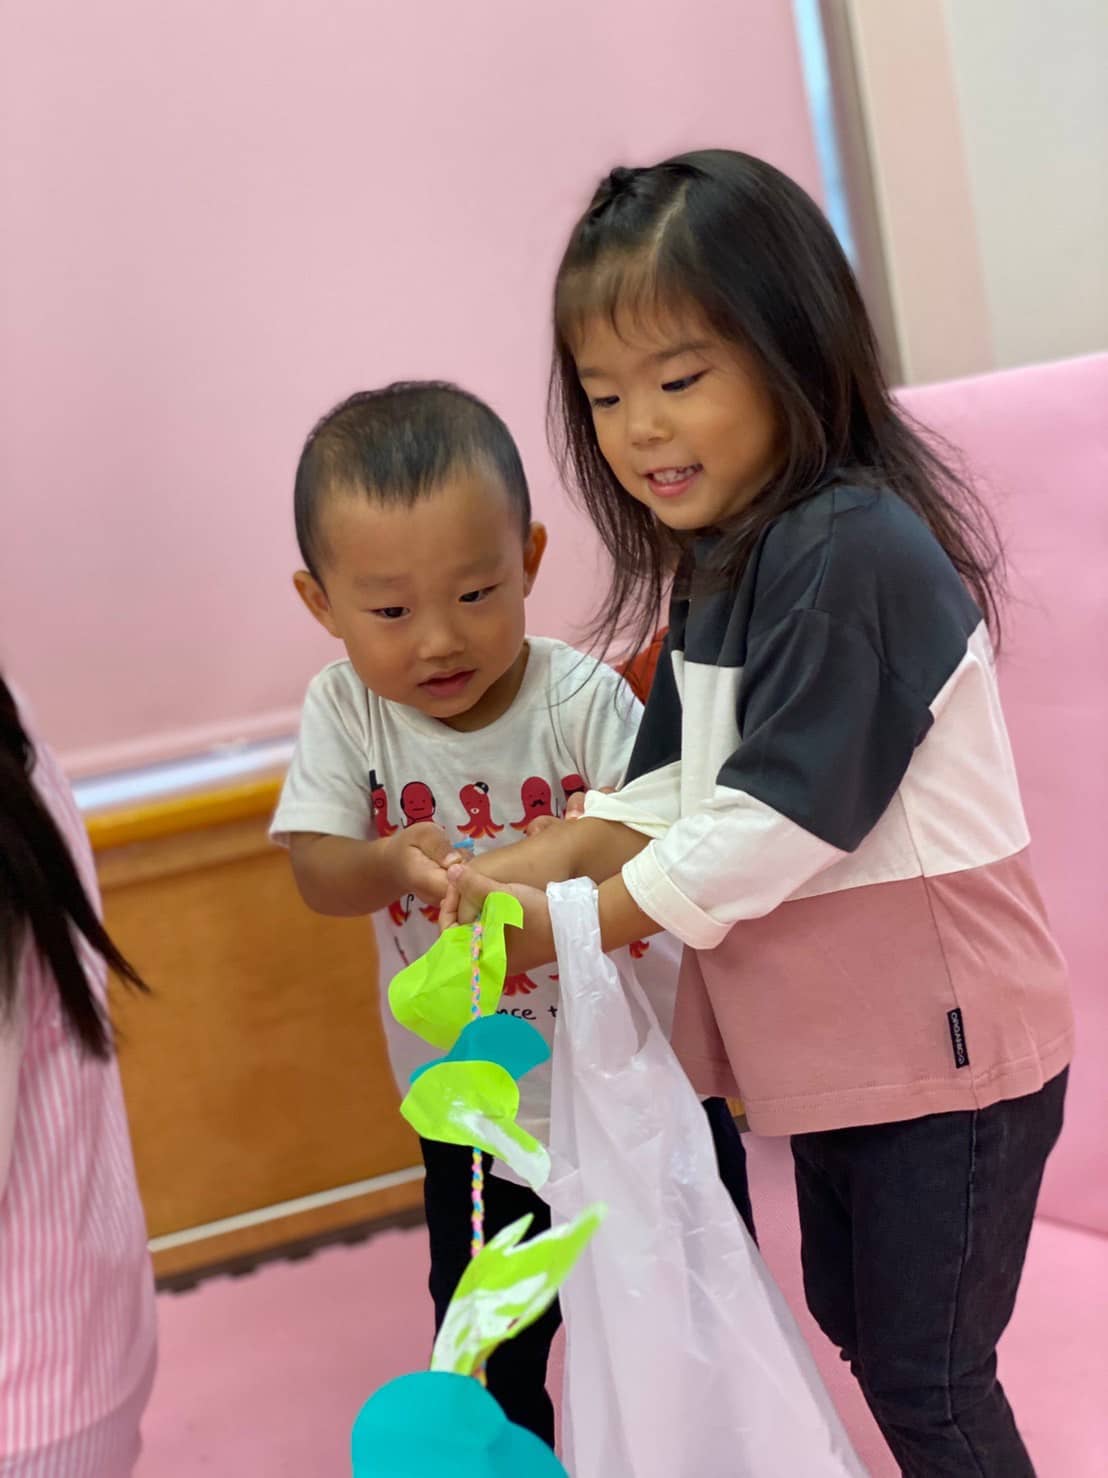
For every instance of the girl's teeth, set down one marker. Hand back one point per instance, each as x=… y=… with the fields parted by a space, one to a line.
x=676 y=474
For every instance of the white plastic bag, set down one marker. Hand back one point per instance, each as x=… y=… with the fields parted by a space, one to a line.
x=682 y=1359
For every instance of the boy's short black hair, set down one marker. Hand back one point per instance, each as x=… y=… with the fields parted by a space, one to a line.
x=397 y=444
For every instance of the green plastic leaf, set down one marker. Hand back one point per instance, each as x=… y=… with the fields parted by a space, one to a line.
x=514 y=1045
x=476 y=1103
x=432 y=996
x=506 y=1287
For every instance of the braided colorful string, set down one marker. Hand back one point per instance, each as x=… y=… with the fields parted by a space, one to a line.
x=477 y=1211
x=478 y=1195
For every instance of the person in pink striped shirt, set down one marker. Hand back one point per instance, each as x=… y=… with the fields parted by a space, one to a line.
x=77 y=1323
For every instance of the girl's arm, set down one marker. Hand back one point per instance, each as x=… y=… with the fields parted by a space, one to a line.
x=570 y=849
x=828 y=730
x=622 y=921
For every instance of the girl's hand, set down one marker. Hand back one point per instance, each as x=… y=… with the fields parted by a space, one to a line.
x=529 y=947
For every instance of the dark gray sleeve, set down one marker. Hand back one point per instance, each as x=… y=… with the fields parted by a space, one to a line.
x=827 y=730
x=858 y=620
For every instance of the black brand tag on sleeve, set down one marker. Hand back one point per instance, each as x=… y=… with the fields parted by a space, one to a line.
x=957 y=1038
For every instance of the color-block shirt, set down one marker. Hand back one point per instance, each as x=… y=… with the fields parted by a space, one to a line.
x=77 y=1322
x=837 y=833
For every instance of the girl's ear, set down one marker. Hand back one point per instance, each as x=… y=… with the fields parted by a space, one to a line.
x=312 y=593
x=533 y=552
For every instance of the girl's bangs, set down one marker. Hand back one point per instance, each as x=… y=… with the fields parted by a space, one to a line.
x=629 y=289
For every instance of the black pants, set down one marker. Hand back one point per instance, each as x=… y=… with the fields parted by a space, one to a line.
x=517 y=1370
x=914 y=1238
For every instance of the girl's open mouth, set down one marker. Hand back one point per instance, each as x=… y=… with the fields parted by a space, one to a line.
x=671 y=482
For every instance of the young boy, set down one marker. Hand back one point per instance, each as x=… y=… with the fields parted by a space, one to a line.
x=445 y=722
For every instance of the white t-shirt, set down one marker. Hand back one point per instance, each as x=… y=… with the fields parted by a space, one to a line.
x=364 y=766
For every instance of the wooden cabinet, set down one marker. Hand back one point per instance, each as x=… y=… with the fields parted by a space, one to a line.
x=261 y=1104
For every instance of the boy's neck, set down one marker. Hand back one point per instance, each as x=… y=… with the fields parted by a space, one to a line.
x=496 y=701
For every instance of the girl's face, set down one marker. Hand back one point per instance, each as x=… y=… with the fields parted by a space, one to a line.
x=682 y=419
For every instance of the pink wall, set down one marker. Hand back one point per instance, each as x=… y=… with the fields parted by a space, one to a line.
x=221 y=218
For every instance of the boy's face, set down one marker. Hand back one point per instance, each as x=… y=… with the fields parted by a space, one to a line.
x=428 y=599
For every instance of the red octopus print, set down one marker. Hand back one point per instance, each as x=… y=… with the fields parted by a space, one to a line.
x=573 y=785
x=537 y=799
x=431 y=913
x=380 y=801
x=475 y=798
x=417 y=801
x=639 y=948
x=398 y=913
x=519 y=985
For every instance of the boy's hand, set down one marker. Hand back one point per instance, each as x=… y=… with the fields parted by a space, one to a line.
x=529 y=947
x=421 y=854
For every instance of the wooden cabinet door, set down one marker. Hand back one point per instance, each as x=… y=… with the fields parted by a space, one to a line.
x=256 y=1074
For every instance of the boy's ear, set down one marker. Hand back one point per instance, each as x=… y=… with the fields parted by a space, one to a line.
x=533 y=551
x=312 y=593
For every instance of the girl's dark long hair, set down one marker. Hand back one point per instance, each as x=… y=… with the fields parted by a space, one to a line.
x=732 y=240
x=41 y=894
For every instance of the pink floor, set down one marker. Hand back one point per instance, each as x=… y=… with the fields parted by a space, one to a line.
x=263 y=1375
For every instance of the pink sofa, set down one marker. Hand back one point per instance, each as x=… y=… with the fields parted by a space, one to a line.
x=1036 y=441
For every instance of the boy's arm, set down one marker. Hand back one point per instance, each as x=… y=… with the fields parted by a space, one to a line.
x=342 y=877
x=582 y=848
x=325 y=813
